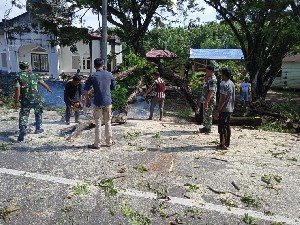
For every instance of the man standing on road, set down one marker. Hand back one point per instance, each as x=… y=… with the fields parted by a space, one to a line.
x=208 y=97
x=28 y=96
x=225 y=109
x=160 y=87
x=102 y=82
x=73 y=98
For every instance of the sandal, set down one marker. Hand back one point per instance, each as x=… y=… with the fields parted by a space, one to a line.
x=113 y=143
x=221 y=147
x=93 y=146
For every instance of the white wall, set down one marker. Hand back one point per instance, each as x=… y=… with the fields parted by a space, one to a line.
x=2 y=50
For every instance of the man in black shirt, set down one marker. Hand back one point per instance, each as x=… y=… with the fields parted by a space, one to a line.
x=73 y=98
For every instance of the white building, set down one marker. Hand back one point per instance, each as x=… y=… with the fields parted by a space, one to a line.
x=22 y=39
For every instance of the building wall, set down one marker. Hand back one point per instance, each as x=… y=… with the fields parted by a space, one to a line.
x=3 y=58
x=290 y=77
x=60 y=59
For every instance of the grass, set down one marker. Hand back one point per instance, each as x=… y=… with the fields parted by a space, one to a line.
x=249 y=220
x=277 y=223
x=80 y=189
x=270 y=178
x=250 y=201
x=191 y=187
x=5 y=146
x=107 y=185
x=66 y=209
x=275 y=126
x=133 y=134
x=140 y=168
x=194 y=212
x=135 y=217
x=156 y=135
x=228 y=202
x=161 y=193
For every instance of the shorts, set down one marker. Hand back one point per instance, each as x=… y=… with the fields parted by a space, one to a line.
x=245 y=96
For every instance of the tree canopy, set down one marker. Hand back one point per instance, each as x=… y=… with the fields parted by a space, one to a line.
x=135 y=17
x=266 y=31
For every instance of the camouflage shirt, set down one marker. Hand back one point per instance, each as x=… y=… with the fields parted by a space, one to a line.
x=28 y=82
x=209 y=85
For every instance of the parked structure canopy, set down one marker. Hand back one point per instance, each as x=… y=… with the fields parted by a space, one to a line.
x=216 y=54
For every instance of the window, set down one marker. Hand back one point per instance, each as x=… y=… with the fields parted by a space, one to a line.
x=39 y=62
x=86 y=64
x=75 y=62
x=3 y=59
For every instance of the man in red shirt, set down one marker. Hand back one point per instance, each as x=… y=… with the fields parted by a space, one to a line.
x=160 y=87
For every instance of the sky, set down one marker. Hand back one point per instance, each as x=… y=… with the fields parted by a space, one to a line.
x=91 y=20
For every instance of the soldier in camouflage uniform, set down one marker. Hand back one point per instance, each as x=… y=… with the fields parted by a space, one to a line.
x=28 y=96
x=208 y=98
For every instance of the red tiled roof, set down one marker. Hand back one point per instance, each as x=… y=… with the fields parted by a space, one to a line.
x=160 y=54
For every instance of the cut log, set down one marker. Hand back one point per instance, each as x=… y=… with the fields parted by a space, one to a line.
x=246 y=121
x=266 y=113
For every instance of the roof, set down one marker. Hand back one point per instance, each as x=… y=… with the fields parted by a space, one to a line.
x=216 y=54
x=160 y=54
x=292 y=58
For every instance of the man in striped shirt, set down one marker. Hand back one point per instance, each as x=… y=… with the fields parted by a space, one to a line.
x=160 y=88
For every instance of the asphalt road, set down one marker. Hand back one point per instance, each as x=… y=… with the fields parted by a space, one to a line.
x=156 y=173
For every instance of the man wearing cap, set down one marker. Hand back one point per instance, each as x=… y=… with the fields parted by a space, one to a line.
x=73 y=98
x=28 y=96
x=208 y=98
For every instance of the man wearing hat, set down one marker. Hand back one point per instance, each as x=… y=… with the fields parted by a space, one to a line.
x=208 y=97
x=28 y=97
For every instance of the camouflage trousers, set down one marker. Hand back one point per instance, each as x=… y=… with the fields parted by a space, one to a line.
x=24 y=115
x=208 y=115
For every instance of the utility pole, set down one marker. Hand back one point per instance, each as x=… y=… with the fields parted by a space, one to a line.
x=104 y=33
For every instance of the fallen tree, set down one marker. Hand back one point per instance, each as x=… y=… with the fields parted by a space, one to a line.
x=181 y=82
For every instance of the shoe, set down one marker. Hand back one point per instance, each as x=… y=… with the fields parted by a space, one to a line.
x=38 y=131
x=21 y=136
x=93 y=146
x=221 y=147
x=204 y=130
x=149 y=118
x=109 y=145
x=67 y=123
x=160 y=119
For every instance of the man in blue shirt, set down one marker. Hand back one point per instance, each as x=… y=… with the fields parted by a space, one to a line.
x=102 y=82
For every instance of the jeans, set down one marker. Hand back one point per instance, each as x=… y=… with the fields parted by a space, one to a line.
x=224 y=128
x=154 y=102
x=103 y=112
x=68 y=113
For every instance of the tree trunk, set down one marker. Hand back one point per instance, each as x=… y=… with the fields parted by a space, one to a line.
x=182 y=83
x=123 y=75
x=138 y=89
